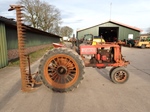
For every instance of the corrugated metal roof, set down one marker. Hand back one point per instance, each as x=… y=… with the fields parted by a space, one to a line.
x=10 y=22
x=131 y=27
x=114 y=22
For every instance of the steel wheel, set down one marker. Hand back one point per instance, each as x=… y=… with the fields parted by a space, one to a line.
x=62 y=70
x=119 y=75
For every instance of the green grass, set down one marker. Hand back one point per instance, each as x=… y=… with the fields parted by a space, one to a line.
x=33 y=56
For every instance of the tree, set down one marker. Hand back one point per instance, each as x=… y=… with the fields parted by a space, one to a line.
x=41 y=15
x=66 y=31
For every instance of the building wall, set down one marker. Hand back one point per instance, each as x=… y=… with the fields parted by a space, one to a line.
x=9 y=42
x=92 y=30
x=3 y=46
x=33 y=42
x=144 y=35
x=35 y=39
x=123 y=31
x=31 y=39
x=11 y=37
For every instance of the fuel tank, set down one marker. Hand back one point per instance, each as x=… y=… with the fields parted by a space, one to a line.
x=88 y=49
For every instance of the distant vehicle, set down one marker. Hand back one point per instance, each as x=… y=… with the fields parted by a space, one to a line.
x=142 y=42
x=98 y=39
x=93 y=40
x=131 y=43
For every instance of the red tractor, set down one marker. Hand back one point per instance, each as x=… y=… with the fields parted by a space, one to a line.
x=62 y=68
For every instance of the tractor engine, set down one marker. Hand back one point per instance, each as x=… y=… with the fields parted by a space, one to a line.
x=98 y=55
x=104 y=55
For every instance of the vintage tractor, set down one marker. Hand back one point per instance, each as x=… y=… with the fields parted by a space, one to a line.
x=62 y=69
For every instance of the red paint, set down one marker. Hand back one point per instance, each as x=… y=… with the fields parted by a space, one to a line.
x=88 y=49
x=56 y=45
x=104 y=57
x=97 y=56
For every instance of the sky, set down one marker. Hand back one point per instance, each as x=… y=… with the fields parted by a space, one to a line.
x=79 y=14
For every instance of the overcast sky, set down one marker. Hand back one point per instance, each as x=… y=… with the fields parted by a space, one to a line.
x=79 y=14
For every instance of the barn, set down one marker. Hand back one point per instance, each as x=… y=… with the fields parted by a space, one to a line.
x=35 y=40
x=111 y=30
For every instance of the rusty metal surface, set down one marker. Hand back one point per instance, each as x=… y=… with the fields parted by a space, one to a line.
x=98 y=62
x=62 y=70
x=26 y=78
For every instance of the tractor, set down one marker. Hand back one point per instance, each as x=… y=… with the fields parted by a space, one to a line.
x=62 y=68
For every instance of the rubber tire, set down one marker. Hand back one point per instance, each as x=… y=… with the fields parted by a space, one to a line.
x=143 y=46
x=110 y=72
x=68 y=52
x=112 y=75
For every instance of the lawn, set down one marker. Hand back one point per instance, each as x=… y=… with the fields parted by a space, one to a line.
x=33 y=56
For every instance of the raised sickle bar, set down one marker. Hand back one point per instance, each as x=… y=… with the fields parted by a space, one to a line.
x=27 y=79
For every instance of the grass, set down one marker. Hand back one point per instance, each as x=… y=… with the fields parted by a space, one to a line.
x=33 y=56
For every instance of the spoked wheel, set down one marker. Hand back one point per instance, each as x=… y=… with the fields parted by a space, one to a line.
x=119 y=75
x=61 y=69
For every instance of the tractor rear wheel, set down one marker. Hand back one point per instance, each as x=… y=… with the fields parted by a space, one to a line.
x=119 y=75
x=61 y=69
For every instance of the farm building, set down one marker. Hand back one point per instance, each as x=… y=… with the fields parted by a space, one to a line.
x=35 y=40
x=111 y=30
x=145 y=35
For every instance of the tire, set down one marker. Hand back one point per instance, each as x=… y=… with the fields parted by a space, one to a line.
x=61 y=69
x=143 y=46
x=119 y=75
x=110 y=72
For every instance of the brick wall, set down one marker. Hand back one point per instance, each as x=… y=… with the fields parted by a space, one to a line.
x=13 y=54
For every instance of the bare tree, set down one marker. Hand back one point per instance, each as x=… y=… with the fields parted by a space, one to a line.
x=41 y=15
x=66 y=31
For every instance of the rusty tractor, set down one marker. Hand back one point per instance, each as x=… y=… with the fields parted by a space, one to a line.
x=62 y=69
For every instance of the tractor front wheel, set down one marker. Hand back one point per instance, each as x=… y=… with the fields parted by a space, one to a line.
x=119 y=75
x=61 y=69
